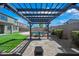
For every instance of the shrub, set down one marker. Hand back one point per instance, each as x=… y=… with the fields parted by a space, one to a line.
x=75 y=37
x=57 y=32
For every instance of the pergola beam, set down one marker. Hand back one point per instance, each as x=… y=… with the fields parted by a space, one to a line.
x=1 y=3
x=36 y=6
x=8 y=15
x=39 y=23
x=15 y=11
x=40 y=17
x=46 y=21
x=76 y=7
x=40 y=14
x=30 y=6
x=51 y=6
x=27 y=9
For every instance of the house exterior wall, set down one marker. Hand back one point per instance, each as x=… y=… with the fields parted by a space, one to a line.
x=10 y=25
x=7 y=30
x=1 y=29
x=22 y=27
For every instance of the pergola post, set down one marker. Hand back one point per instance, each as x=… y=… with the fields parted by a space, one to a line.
x=39 y=34
x=48 y=31
x=30 y=31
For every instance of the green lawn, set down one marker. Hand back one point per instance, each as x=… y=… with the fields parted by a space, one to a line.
x=7 y=47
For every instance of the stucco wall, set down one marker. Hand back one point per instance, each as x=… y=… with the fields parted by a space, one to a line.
x=11 y=30
x=6 y=31
x=68 y=28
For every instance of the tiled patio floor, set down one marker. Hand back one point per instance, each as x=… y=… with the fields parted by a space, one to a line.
x=50 y=47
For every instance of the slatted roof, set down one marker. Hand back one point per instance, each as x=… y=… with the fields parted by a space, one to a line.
x=38 y=12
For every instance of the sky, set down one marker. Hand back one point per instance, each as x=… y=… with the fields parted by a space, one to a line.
x=60 y=20
x=69 y=14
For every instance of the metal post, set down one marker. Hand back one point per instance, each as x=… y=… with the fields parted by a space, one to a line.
x=47 y=31
x=30 y=32
x=39 y=34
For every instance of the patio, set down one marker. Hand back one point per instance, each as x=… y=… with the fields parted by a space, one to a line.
x=50 y=48
x=41 y=15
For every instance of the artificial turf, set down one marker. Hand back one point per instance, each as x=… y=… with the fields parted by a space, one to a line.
x=8 y=46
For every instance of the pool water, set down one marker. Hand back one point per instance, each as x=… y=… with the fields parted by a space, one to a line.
x=37 y=33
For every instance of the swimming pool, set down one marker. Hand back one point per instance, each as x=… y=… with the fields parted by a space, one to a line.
x=37 y=33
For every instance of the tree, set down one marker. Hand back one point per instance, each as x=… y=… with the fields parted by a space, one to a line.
x=41 y=25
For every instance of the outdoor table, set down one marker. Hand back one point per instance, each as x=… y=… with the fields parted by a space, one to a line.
x=38 y=51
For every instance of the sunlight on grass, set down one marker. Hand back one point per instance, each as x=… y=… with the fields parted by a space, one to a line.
x=8 y=46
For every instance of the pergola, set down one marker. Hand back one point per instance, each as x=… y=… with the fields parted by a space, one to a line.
x=38 y=13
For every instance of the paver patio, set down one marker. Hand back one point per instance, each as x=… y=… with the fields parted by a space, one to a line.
x=50 y=47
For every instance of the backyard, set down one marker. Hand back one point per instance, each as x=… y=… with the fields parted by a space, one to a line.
x=32 y=31
x=10 y=41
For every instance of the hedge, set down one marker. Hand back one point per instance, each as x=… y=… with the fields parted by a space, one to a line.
x=57 y=32
x=75 y=37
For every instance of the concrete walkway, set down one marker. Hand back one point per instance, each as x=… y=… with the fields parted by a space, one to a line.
x=50 y=47
x=25 y=33
x=2 y=34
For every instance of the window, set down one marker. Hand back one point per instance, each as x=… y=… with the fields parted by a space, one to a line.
x=9 y=27
x=3 y=17
x=14 y=27
x=1 y=29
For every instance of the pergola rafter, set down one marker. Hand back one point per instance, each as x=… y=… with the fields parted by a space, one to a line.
x=38 y=13
x=25 y=9
x=40 y=16
x=9 y=7
x=34 y=12
x=65 y=9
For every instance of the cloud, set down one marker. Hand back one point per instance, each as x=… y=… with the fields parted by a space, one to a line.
x=76 y=14
x=63 y=21
x=73 y=11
